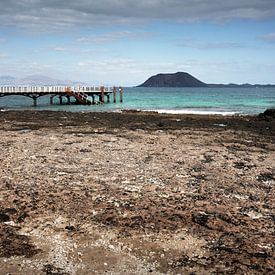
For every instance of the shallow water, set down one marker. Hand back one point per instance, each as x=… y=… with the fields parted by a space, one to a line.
x=225 y=101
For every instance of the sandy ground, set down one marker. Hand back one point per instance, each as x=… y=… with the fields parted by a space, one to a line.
x=136 y=193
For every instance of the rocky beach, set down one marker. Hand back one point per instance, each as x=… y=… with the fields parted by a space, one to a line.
x=136 y=193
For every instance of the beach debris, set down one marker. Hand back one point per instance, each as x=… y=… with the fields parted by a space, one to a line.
x=220 y=124
x=24 y=131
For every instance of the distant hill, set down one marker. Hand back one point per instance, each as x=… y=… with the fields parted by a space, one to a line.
x=246 y=85
x=183 y=79
x=179 y=79
x=36 y=80
x=7 y=80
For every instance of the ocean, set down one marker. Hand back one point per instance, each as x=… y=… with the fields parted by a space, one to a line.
x=224 y=101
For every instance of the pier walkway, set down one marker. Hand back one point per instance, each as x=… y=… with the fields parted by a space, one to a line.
x=86 y=95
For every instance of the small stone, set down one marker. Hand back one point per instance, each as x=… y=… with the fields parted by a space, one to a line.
x=4 y=217
x=70 y=228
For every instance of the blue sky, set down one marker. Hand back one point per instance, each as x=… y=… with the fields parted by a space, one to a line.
x=124 y=42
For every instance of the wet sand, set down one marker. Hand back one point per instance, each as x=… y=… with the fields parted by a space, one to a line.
x=136 y=193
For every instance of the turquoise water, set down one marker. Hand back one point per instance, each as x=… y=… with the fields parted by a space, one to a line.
x=168 y=100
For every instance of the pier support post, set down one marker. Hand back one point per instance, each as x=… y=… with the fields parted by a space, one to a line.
x=34 y=101
x=120 y=94
x=68 y=99
x=108 y=98
x=93 y=99
x=60 y=99
x=114 y=94
x=51 y=99
x=102 y=94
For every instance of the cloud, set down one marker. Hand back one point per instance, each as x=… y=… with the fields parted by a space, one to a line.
x=61 y=49
x=2 y=55
x=17 y=67
x=270 y=37
x=109 y=65
x=65 y=14
x=203 y=45
x=114 y=36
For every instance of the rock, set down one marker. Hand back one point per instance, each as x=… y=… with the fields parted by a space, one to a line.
x=200 y=218
x=265 y=177
x=268 y=115
x=4 y=217
x=70 y=228
x=10 y=211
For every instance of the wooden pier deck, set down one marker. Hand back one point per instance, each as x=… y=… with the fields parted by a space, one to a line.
x=86 y=95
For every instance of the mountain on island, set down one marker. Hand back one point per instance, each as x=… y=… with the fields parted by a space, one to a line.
x=179 y=79
x=183 y=79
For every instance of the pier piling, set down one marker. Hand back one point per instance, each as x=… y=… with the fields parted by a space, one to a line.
x=51 y=99
x=102 y=94
x=120 y=94
x=68 y=99
x=34 y=101
x=114 y=94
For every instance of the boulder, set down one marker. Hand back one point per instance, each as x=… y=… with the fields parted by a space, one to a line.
x=268 y=114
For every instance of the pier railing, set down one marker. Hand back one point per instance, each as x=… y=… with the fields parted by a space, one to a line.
x=51 y=89
x=77 y=92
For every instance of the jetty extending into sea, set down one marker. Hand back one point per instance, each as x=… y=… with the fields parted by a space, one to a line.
x=85 y=95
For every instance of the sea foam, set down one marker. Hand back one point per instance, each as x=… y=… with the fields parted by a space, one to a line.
x=193 y=112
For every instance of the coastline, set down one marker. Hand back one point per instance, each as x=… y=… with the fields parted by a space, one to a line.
x=136 y=192
x=137 y=119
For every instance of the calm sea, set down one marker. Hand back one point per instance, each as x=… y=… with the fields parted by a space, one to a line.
x=226 y=101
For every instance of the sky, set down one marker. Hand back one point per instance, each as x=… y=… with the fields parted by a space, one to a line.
x=123 y=42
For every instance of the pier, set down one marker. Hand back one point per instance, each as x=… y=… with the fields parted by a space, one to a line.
x=85 y=95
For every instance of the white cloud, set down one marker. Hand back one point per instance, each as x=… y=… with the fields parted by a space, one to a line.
x=114 y=36
x=2 y=55
x=61 y=49
x=203 y=45
x=270 y=37
x=109 y=65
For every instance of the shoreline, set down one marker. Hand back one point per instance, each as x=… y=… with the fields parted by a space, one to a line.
x=130 y=119
x=134 y=192
x=184 y=111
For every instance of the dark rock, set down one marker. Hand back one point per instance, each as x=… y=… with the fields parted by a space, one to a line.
x=13 y=244
x=70 y=228
x=4 y=217
x=183 y=261
x=10 y=211
x=265 y=177
x=200 y=218
x=268 y=115
x=52 y=270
